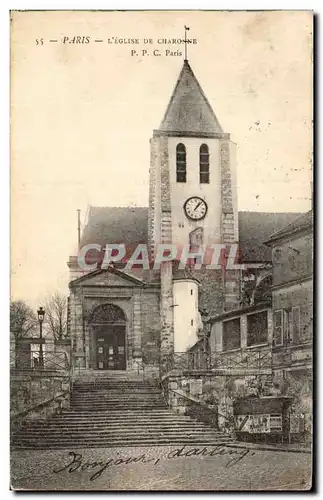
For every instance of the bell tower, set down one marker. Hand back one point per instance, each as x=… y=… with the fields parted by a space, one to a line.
x=192 y=191
x=192 y=171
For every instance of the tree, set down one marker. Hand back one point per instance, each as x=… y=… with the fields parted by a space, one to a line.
x=56 y=315
x=23 y=320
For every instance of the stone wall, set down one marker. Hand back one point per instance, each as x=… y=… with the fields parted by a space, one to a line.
x=217 y=391
x=37 y=395
x=211 y=291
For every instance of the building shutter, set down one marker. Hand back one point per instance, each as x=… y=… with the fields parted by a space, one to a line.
x=285 y=326
x=278 y=329
x=296 y=323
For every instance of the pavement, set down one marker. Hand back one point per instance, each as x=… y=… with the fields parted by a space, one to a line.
x=288 y=447
x=161 y=468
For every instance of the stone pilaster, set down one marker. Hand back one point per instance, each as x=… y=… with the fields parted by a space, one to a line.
x=166 y=271
x=136 y=328
x=244 y=331
x=227 y=222
x=88 y=347
x=77 y=335
x=270 y=325
x=152 y=195
x=166 y=309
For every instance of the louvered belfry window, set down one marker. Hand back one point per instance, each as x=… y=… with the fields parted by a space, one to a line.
x=180 y=163
x=204 y=164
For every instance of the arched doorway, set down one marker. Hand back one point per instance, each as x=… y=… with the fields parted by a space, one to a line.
x=108 y=324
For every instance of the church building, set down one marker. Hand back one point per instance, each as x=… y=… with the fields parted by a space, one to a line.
x=120 y=318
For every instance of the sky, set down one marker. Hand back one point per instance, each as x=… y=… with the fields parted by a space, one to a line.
x=82 y=116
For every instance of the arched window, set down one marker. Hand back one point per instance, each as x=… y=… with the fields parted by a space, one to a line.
x=180 y=163
x=204 y=164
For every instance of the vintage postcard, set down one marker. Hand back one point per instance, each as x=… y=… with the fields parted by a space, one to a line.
x=161 y=250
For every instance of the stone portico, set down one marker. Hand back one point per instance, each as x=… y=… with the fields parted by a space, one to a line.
x=114 y=320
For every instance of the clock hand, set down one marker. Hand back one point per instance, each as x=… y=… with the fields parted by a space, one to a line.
x=200 y=203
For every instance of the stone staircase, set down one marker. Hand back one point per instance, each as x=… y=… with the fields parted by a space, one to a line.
x=115 y=411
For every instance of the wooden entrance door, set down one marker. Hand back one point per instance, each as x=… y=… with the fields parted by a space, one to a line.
x=110 y=348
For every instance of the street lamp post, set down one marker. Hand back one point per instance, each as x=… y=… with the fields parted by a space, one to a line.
x=41 y=315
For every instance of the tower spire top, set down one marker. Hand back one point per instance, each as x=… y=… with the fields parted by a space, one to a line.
x=188 y=110
x=186 y=28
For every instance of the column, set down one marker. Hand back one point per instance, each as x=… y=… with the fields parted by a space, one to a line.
x=136 y=329
x=243 y=330
x=77 y=329
x=166 y=309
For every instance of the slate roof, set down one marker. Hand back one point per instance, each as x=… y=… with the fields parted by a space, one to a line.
x=189 y=111
x=129 y=225
x=304 y=222
x=255 y=228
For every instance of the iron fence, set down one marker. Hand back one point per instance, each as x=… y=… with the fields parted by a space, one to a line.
x=260 y=359
x=34 y=360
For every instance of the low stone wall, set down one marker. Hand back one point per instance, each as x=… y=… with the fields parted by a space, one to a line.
x=37 y=395
x=210 y=388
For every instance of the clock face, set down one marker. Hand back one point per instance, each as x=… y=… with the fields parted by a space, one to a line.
x=195 y=208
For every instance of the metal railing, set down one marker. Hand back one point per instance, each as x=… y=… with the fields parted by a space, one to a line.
x=259 y=359
x=27 y=360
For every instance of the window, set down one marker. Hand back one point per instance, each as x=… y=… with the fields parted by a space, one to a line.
x=277 y=253
x=191 y=292
x=204 y=164
x=231 y=334
x=180 y=163
x=287 y=327
x=278 y=327
x=192 y=322
x=257 y=328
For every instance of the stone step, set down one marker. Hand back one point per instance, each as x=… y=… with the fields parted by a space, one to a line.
x=119 y=421
x=107 y=407
x=107 y=399
x=116 y=422
x=109 y=412
x=114 y=385
x=117 y=406
x=107 y=443
x=115 y=432
x=153 y=412
x=115 y=395
x=107 y=427
x=120 y=392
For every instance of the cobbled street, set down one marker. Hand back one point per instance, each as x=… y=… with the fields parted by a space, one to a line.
x=210 y=468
